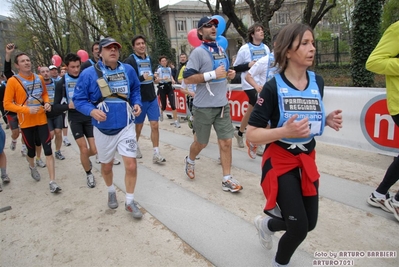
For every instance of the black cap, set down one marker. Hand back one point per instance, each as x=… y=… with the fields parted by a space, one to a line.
x=108 y=41
x=206 y=20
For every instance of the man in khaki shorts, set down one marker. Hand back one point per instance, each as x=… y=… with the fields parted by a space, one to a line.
x=208 y=68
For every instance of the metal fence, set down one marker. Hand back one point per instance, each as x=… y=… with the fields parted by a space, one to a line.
x=330 y=52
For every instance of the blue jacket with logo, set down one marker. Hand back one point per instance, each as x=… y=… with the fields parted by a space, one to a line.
x=87 y=95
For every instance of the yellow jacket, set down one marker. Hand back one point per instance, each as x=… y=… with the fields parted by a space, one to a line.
x=385 y=60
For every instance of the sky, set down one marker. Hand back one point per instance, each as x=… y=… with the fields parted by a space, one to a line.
x=6 y=6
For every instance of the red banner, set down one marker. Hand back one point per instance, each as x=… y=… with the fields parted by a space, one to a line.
x=238 y=104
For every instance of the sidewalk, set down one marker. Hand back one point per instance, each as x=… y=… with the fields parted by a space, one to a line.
x=186 y=222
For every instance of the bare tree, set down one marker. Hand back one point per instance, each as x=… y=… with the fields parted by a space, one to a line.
x=162 y=44
x=319 y=14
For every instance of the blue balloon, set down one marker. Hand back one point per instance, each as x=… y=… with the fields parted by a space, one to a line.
x=221 y=25
x=222 y=41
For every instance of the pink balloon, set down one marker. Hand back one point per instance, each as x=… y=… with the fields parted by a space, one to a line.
x=193 y=38
x=84 y=56
x=56 y=59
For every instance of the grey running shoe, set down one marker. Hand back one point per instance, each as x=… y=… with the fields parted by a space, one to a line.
x=138 y=153
x=176 y=124
x=54 y=188
x=24 y=151
x=189 y=168
x=40 y=163
x=66 y=142
x=161 y=117
x=13 y=145
x=190 y=120
x=5 y=178
x=112 y=202
x=265 y=235
x=231 y=185
x=91 y=181
x=58 y=155
x=240 y=139
x=34 y=173
x=117 y=161
x=259 y=151
x=251 y=149
x=157 y=158
x=379 y=202
x=393 y=206
x=134 y=209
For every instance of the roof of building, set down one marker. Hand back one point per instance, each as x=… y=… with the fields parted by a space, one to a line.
x=186 y=5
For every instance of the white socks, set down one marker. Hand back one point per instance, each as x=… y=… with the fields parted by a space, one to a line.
x=111 y=188
x=129 y=198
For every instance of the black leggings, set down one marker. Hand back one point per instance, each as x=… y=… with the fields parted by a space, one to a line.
x=32 y=134
x=164 y=90
x=392 y=173
x=299 y=213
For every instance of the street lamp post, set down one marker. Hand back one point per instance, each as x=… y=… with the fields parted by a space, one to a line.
x=66 y=35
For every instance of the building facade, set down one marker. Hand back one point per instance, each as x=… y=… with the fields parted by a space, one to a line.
x=183 y=16
x=6 y=36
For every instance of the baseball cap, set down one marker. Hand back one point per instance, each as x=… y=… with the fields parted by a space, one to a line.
x=108 y=41
x=206 y=20
x=51 y=67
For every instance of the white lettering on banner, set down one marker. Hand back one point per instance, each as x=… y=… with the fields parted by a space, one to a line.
x=391 y=125
x=180 y=102
x=237 y=106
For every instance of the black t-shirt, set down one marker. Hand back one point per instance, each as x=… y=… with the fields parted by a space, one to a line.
x=147 y=91
x=60 y=93
x=269 y=110
x=87 y=64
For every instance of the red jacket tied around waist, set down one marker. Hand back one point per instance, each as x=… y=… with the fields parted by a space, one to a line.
x=282 y=162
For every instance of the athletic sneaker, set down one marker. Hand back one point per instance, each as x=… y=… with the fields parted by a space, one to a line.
x=5 y=178
x=379 y=202
x=24 y=151
x=157 y=158
x=40 y=163
x=91 y=181
x=176 y=124
x=112 y=202
x=13 y=145
x=34 y=173
x=117 y=161
x=251 y=149
x=190 y=122
x=240 y=139
x=54 y=188
x=265 y=235
x=161 y=117
x=134 y=210
x=138 y=153
x=260 y=150
x=66 y=142
x=58 y=155
x=231 y=185
x=393 y=206
x=189 y=168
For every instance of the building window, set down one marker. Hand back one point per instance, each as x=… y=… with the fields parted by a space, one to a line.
x=195 y=24
x=181 y=26
x=282 y=18
x=183 y=48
